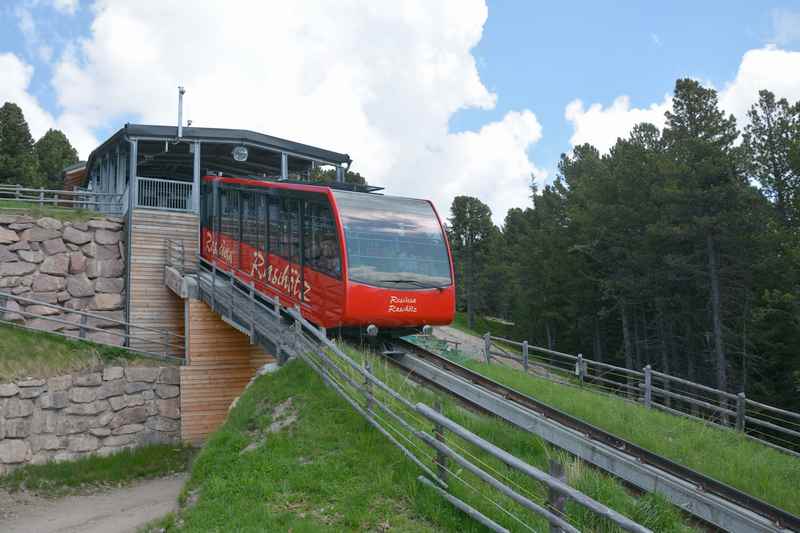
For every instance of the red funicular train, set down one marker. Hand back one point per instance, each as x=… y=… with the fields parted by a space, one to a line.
x=349 y=259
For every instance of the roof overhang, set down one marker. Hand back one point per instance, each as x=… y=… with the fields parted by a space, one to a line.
x=145 y=132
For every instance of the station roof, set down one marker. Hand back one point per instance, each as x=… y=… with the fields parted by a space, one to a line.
x=218 y=135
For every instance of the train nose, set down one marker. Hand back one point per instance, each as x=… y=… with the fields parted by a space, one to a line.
x=372 y=330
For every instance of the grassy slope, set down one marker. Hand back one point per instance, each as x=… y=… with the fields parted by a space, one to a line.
x=59 y=479
x=717 y=452
x=30 y=353
x=34 y=210
x=330 y=471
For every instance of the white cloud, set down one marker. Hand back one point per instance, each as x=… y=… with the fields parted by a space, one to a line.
x=68 y=7
x=602 y=126
x=14 y=87
x=656 y=39
x=30 y=33
x=763 y=68
x=379 y=81
x=786 y=25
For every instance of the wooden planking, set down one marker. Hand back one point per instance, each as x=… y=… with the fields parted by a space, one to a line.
x=151 y=303
x=221 y=362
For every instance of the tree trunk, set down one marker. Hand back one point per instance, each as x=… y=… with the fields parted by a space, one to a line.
x=626 y=342
x=691 y=368
x=470 y=289
x=637 y=348
x=719 y=348
x=664 y=352
x=597 y=350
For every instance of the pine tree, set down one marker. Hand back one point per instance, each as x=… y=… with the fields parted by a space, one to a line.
x=470 y=231
x=18 y=162
x=769 y=139
x=54 y=152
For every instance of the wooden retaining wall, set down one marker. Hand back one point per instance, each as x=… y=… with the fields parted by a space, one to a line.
x=151 y=304
x=221 y=361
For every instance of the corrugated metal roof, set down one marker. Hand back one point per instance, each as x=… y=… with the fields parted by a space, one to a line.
x=168 y=133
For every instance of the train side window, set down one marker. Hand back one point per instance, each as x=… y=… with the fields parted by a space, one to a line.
x=275 y=226
x=262 y=213
x=230 y=213
x=320 y=240
x=291 y=229
x=249 y=218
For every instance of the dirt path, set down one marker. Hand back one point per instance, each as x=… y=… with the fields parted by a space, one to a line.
x=114 y=511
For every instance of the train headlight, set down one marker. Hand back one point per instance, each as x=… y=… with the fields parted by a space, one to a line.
x=372 y=330
x=427 y=330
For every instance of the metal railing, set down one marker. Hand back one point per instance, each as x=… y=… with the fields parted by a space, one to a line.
x=164 y=194
x=83 y=325
x=449 y=455
x=770 y=425
x=109 y=203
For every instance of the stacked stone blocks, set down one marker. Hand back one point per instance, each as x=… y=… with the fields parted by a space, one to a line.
x=77 y=265
x=100 y=412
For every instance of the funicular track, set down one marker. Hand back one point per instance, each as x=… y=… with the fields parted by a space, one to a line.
x=710 y=500
x=276 y=329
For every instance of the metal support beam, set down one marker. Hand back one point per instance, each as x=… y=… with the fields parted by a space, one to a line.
x=196 y=179
x=284 y=165
x=133 y=182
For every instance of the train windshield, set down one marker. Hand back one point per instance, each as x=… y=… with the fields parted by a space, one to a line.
x=393 y=242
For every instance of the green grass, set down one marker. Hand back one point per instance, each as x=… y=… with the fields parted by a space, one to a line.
x=331 y=471
x=25 y=353
x=94 y=472
x=481 y=326
x=34 y=210
x=718 y=452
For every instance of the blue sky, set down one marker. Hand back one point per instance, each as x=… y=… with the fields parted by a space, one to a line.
x=470 y=97
x=542 y=55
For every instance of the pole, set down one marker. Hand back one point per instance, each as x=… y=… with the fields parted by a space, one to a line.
x=525 y=355
x=741 y=406
x=556 y=500
x=438 y=433
x=648 y=386
x=579 y=368
x=487 y=348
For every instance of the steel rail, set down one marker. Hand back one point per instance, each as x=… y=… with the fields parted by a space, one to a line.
x=780 y=517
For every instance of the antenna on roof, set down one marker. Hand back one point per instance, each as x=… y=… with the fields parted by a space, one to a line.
x=181 y=92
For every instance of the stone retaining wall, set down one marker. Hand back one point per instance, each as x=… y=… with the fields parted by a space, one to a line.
x=99 y=412
x=78 y=265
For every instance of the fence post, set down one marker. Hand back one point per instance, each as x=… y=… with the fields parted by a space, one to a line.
x=75 y=204
x=276 y=305
x=525 y=355
x=648 y=386
x=368 y=385
x=82 y=331
x=579 y=368
x=556 y=500
x=18 y=193
x=438 y=433
x=214 y=285
x=487 y=347
x=741 y=403
x=41 y=196
x=251 y=294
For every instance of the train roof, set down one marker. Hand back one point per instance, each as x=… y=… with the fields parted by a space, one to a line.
x=335 y=185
